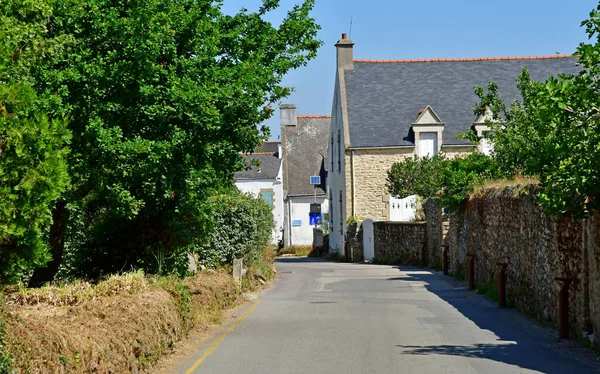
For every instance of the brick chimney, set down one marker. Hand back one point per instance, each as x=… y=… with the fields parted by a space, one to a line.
x=345 y=54
x=288 y=114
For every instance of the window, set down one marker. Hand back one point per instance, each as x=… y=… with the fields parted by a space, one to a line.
x=331 y=152
x=267 y=196
x=339 y=151
x=428 y=144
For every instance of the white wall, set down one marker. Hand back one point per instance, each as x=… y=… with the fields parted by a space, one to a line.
x=299 y=209
x=254 y=186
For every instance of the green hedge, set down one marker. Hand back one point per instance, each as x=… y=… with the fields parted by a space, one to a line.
x=242 y=227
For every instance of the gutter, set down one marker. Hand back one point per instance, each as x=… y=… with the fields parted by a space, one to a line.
x=384 y=147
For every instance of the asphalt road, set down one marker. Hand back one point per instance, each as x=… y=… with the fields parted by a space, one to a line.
x=325 y=317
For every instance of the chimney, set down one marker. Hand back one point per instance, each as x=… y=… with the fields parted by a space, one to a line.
x=288 y=114
x=279 y=150
x=345 y=55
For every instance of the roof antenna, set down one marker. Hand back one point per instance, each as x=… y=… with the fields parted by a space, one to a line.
x=351 y=16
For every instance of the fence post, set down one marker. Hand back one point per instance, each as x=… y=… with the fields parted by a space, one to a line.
x=237 y=271
x=471 y=275
x=563 y=308
x=445 y=260
x=424 y=254
x=502 y=285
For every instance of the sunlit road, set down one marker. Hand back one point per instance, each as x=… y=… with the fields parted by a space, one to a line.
x=325 y=317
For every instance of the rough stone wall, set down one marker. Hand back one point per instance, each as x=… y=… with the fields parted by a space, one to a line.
x=456 y=238
x=433 y=219
x=399 y=242
x=370 y=172
x=506 y=225
x=592 y=250
x=354 y=238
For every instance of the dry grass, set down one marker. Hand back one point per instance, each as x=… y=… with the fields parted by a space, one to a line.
x=123 y=324
x=517 y=184
x=296 y=250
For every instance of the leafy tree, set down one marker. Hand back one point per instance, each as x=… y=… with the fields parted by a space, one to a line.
x=416 y=176
x=449 y=181
x=554 y=131
x=33 y=171
x=163 y=96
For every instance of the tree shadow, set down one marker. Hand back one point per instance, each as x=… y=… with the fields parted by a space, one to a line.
x=520 y=340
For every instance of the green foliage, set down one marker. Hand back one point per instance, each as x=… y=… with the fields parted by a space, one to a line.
x=33 y=145
x=416 y=176
x=449 y=181
x=554 y=131
x=243 y=226
x=162 y=98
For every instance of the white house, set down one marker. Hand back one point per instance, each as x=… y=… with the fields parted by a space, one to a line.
x=304 y=146
x=266 y=181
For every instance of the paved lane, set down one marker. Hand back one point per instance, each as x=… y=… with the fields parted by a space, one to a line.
x=324 y=317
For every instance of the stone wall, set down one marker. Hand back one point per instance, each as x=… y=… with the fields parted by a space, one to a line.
x=433 y=222
x=506 y=225
x=399 y=242
x=354 y=239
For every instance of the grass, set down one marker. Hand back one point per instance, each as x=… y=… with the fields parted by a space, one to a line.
x=518 y=183
x=298 y=250
x=70 y=327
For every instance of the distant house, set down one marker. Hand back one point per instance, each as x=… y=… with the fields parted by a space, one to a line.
x=304 y=146
x=386 y=110
x=265 y=181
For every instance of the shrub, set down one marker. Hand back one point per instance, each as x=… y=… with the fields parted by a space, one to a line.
x=242 y=228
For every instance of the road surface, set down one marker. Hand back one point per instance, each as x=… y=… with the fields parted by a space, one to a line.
x=326 y=317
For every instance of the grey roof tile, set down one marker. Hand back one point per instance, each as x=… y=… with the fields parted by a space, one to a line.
x=384 y=99
x=305 y=154
x=268 y=169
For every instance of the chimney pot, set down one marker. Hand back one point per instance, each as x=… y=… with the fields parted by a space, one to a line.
x=344 y=36
x=288 y=114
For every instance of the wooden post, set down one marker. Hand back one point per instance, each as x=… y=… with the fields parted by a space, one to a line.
x=563 y=308
x=502 y=285
x=471 y=275
x=445 y=260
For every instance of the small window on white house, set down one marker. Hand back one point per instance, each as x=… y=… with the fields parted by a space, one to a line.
x=267 y=196
x=428 y=146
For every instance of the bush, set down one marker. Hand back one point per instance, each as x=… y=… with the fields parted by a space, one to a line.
x=242 y=228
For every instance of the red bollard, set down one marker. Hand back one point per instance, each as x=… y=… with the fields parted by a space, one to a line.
x=563 y=308
x=445 y=262
x=471 y=274
x=502 y=285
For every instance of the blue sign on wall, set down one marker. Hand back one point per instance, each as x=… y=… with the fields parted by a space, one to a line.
x=296 y=223
x=315 y=218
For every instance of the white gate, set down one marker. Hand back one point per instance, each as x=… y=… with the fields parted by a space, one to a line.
x=403 y=210
x=368 y=242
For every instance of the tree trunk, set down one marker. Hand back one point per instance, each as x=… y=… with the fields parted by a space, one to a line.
x=43 y=275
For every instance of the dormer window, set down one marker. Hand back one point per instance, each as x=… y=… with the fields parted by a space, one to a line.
x=428 y=129
x=481 y=127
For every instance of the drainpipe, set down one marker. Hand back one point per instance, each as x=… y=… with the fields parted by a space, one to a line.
x=352 y=177
x=289 y=204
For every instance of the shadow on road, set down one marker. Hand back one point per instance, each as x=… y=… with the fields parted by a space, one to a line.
x=519 y=341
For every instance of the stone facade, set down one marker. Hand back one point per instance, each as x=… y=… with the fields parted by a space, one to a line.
x=399 y=242
x=506 y=225
x=370 y=174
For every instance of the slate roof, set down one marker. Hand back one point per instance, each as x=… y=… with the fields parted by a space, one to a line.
x=269 y=167
x=303 y=146
x=385 y=97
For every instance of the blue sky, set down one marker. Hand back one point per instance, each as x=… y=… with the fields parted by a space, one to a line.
x=399 y=29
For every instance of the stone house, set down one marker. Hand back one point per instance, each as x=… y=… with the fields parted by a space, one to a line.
x=265 y=181
x=304 y=147
x=386 y=110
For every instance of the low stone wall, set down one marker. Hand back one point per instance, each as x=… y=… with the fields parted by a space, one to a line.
x=506 y=225
x=354 y=239
x=399 y=242
x=433 y=222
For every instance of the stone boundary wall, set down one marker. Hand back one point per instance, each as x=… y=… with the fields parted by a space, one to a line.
x=399 y=242
x=433 y=222
x=507 y=225
x=354 y=239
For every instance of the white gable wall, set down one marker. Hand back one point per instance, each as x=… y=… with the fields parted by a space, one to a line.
x=254 y=186
x=299 y=208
